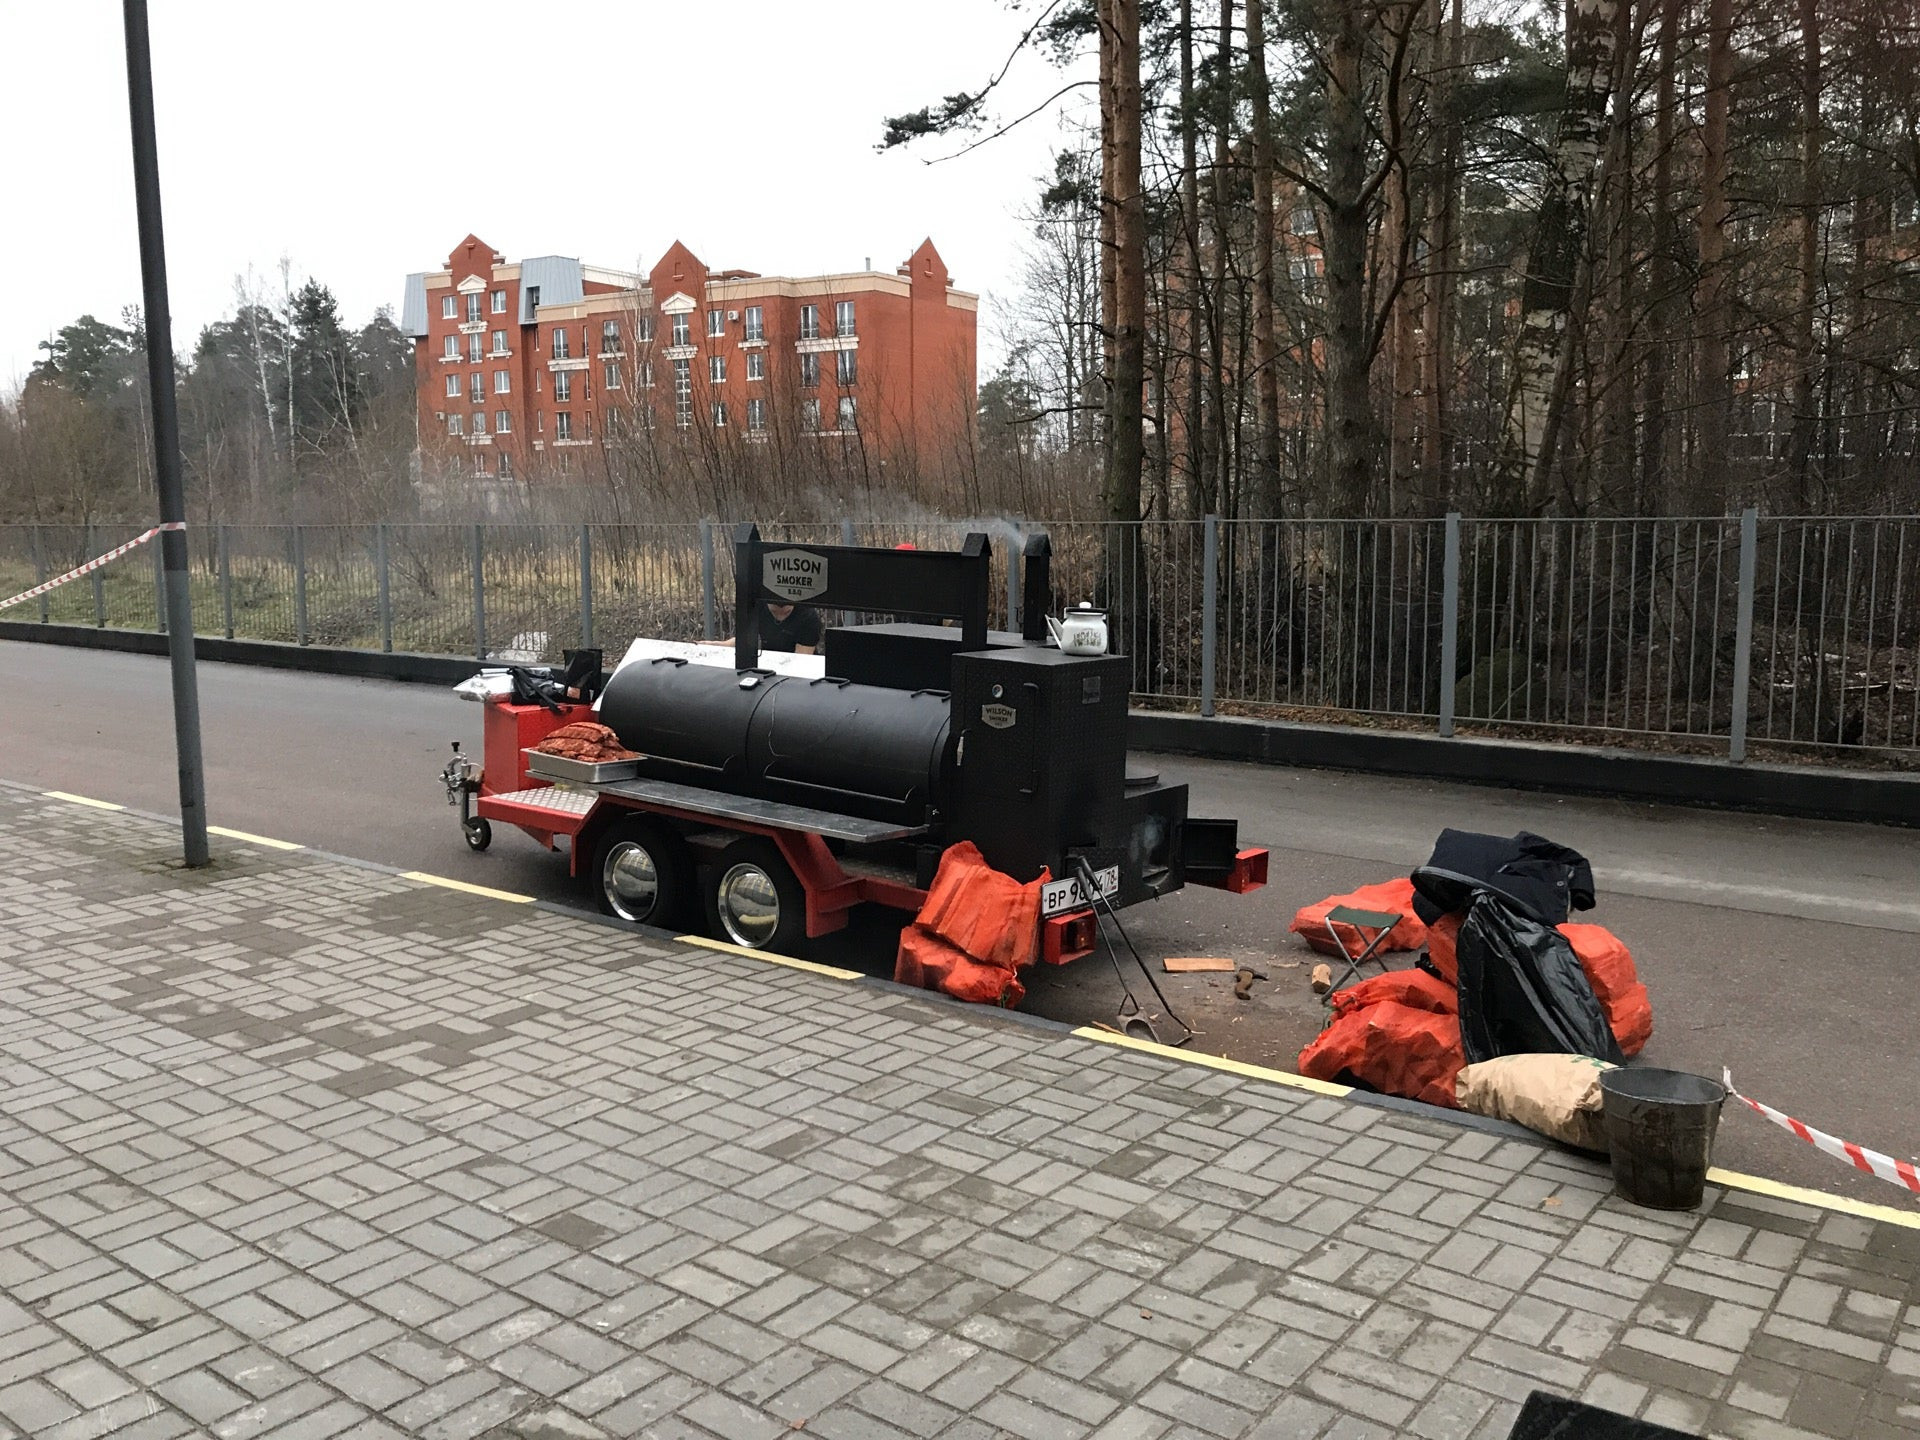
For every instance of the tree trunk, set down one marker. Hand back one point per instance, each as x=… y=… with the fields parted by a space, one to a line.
x=1266 y=348
x=1443 y=259
x=1350 y=420
x=1222 y=219
x=1199 y=478
x=1713 y=384
x=1805 y=361
x=1123 y=200
x=1659 y=459
x=1559 y=242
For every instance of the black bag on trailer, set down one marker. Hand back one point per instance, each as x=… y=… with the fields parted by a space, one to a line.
x=1547 y=878
x=1522 y=989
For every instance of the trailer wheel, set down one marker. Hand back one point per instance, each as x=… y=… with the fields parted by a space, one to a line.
x=641 y=871
x=479 y=833
x=754 y=899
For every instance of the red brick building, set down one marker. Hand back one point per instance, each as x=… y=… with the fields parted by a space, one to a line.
x=523 y=365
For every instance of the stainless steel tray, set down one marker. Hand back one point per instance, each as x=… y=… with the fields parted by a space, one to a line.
x=559 y=767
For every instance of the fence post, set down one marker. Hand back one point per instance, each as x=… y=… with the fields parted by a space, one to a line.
x=1209 y=613
x=586 y=587
x=707 y=630
x=479 y=592
x=1449 y=621
x=159 y=588
x=300 y=584
x=383 y=579
x=226 y=581
x=1743 y=636
x=846 y=532
x=99 y=590
x=40 y=569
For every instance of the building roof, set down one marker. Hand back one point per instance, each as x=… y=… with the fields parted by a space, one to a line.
x=413 y=307
x=558 y=279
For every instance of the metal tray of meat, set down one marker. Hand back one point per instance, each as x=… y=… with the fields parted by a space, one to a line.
x=579 y=772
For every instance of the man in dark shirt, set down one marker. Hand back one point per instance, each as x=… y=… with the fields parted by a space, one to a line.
x=789 y=628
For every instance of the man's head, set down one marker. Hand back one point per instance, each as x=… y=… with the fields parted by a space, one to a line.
x=778 y=610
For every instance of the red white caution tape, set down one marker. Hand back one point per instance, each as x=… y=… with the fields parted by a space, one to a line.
x=1900 y=1172
x=95 y=563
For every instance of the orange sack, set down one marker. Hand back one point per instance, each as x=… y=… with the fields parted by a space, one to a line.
x=1392 y=1048
x=1415 y=989
x=1442 y=937
x=978 y=929
x=1616 y=984
x=1310 y=921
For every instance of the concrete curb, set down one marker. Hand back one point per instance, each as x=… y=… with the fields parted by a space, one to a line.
x=1809 y=792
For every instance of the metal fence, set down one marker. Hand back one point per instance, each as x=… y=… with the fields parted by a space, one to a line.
x=1718 y=632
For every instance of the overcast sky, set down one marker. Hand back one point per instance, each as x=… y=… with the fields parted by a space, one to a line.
x=363 y=141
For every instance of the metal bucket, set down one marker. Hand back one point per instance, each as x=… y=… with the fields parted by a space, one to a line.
x=1660 y=1126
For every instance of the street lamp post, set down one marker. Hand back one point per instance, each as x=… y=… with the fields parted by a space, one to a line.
x=166 y=437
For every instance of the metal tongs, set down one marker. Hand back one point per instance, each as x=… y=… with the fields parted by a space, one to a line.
x=1132 y=1020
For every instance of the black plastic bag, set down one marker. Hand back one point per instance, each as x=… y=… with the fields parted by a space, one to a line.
x=1548 y=878
x=1522 y=990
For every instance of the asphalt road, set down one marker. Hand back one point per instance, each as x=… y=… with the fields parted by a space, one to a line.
x=1785 y=949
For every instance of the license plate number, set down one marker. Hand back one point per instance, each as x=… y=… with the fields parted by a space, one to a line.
x=1059 y=896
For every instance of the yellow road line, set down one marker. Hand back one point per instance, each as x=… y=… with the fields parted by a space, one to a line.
x=833 y=972
x=83 y=800
x=252 y=839
x=464 y=888
x=1799 y=1194
x=1214 y=1062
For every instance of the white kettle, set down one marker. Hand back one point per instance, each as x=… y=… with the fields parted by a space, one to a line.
x=1081 y=631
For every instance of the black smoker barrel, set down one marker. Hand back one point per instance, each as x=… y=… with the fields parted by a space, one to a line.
x=853 y=749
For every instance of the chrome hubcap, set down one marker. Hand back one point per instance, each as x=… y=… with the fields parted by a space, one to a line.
x=749 y=905
x=632 y=881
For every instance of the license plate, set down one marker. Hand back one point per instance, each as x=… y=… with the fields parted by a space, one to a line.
x=1059 y=896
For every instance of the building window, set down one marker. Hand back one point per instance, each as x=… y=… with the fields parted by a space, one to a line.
x=756 y=414
x=612 y=424
x=563 y=425
x=756 y=365
x=612 y=377
x=846 y=366
x=809 y=371
x=506 y=467
x=563 y=387
x=755 y=323
x=450 y=347
x=453 y=387
x=473 y=308
x=1302 y=222
x=502 y=421
x=499 y=342
x=809 y=322
x=643 y=329
x=499 y=302
x=717 y=369
x=646 y=374
x=682 y=393
x=682 y=330
x=502 y=382
x=846 y=417
x=453 y=424
x=810 y=414
x=719 y=414
x=479 y=422
x=716 y=323
x=533 y=298
x=476 y=386
x=561 y=351
x=609 y=337
x=449 y=308
x=843 y=317
x=473 y=349
x=479 y=462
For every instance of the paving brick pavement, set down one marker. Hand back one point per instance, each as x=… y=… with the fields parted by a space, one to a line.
x=299 y=1149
